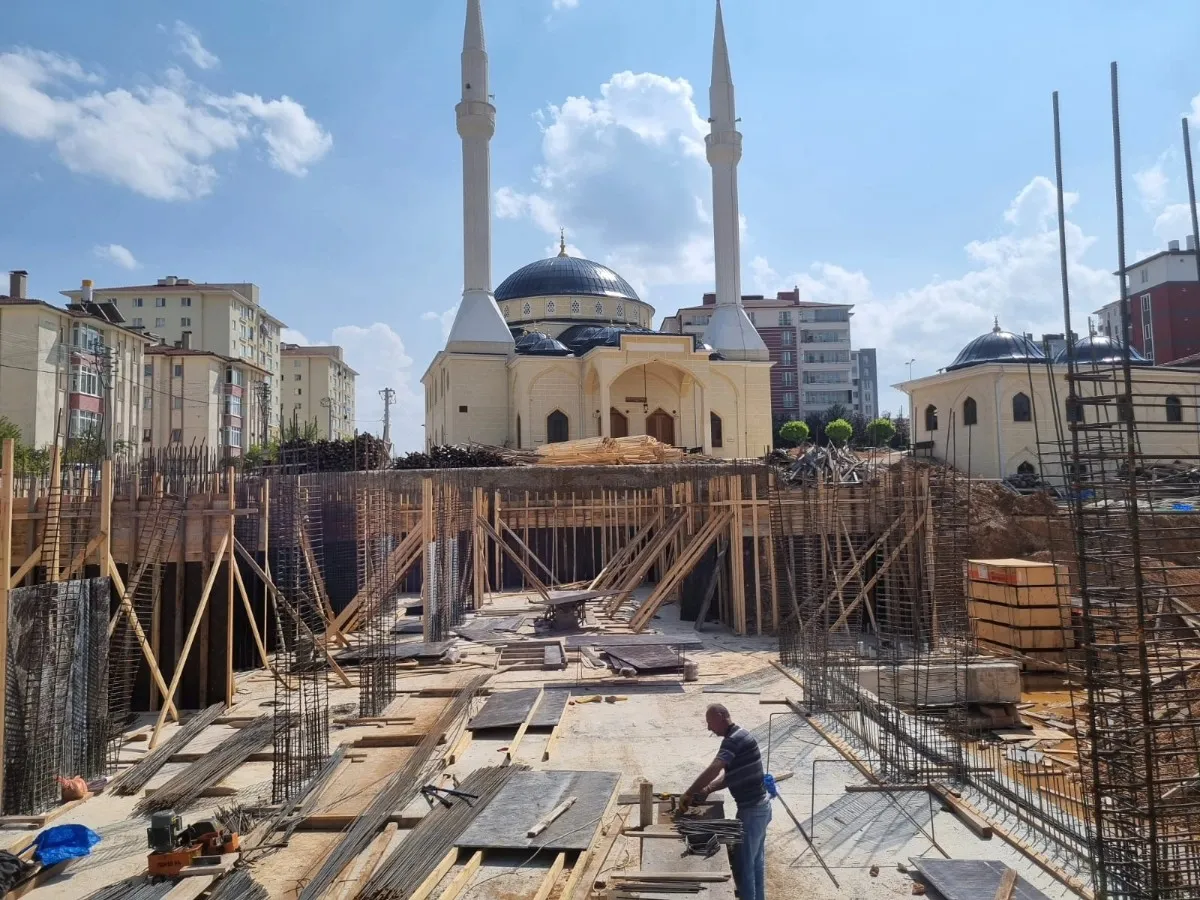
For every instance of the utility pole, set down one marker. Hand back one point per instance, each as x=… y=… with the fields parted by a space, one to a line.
x=108 y=371
x=328 y=404
x=389 y=397
x=264 y=410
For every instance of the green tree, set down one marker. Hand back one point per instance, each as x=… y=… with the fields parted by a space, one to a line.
x=794 y=432
x=880 y=432
x=839 y=431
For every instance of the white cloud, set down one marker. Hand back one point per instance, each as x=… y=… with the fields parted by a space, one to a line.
x=189 y=45
x=445 y=319
x=625 y=173
x=1152 y=182
x=292 y=336
x=1013 y=277
x=116 y=254
x=158 y=140
x=564 y=4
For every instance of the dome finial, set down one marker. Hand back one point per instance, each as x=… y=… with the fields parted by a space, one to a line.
x=562 y=242
x=995 y=325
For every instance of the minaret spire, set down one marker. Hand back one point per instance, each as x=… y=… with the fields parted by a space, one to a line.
x=478 y=325
x=730 y=331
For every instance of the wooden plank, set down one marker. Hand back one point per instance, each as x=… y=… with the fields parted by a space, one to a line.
x=435 y=877
x=1008 y=883
x=464 y=876
x=6 y=520
x=231 y=565
x=544 y=823
x=551 y=877
x=516 y=741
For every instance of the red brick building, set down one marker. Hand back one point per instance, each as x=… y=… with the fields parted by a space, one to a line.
x=1164 y=305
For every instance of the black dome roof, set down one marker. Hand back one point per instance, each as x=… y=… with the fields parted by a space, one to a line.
x=538 y=343
x=1100 y=349
x=564 y=275
x=997 y=346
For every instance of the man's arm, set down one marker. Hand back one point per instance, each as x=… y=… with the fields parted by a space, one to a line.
x=702 y=785
x=716 y=784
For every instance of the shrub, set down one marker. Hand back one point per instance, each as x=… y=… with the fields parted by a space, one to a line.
x=839 y=431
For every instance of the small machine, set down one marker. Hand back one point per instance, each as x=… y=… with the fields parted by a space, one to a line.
x=173 y=848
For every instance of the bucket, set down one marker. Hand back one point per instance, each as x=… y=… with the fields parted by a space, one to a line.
x=691 y=670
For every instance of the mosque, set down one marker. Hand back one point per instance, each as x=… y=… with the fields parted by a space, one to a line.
x=564 y=348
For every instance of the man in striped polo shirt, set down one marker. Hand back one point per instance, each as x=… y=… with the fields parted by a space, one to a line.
x=739 y=768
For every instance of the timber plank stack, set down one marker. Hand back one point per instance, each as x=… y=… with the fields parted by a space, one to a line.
x=1020 y=607
x=641 y=449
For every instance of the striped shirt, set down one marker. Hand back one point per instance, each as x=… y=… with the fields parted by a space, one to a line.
x=743 y=766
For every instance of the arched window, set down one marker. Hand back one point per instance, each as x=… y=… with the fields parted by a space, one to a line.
x=1075 y=411
x=518 y=431
x=718 y=439
x=618 y=423
x=1022 y=409
x=931 y=418
x=970 y=412
x=1026 y=468
x=1174 y=410
x=558 y=427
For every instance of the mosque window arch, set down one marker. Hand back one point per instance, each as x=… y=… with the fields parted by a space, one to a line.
x=507 y=310
x=1174 y=410
x=1075 y=411
x=575 y=307
x=518 y=431
x=1022 y=408
x=558 y=427
x=599 y=308
x=970 y=412
x=550 y=307
x=620 y=310
x=718 y=437
x=931 y=418
x=1026 y=468
x=526 y=309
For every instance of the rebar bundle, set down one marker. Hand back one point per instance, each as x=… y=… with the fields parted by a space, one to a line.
x=409 y=865
x=137 y=776
x=238 y=885
x=398 y=792
x=136 y=888
x=185 y=788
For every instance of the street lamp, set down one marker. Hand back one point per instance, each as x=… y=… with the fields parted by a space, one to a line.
x=909 y=364
x=328 y=404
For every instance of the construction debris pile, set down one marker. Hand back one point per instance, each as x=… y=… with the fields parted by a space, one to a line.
x=364 y=453
x=823 y=465
x=448 y=456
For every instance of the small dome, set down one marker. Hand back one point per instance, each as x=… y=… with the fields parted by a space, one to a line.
x=564 y=275
x=1101 y=350
x=582 y=338
x=997 y=346
x=538 y=343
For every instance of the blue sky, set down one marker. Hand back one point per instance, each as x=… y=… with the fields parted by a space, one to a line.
x=896 y=156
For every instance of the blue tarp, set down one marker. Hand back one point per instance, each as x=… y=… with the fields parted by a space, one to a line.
x=62 y=842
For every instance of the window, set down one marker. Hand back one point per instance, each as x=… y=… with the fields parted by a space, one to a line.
x=176 y=435
x=506 y=310
x=85 y=380
x=789 y=379
x=787 y=358
x=789 y=338
x=1145 y=275
x=550 y=307
x=620 y=310
x=599 y=308
x=299 y=392
x=970 y=412
x=295 y=363
x=785 y=319
x=751 y=317
x=1147 y=328
x=826 y=377
x=85 y=337
x=1174 y=410
x=518 y=431
x=789 y=400
x=831 y=315
x=931 y=418
x=557 y=427
x=176 y=403
x=185 y=322
x=137 y=321
x=233 y=405
x=1075 y=411
x=462 y=409
x=1022 y=409
x=146 y=403
x=160 y=302
x=527 y=308
x=1026 y=468
x=83 y=423
x=160 y=323
x=718 y=439
x=298 y=377
x=235 y=376
x=827 y=397
x=185 y=301
x=146 y=434
x=178 y=370
x=233 y=436
x=148 y=370
x=575 y=307
x=137 y=302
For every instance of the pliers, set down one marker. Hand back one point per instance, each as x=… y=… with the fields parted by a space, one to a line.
x=432 y=792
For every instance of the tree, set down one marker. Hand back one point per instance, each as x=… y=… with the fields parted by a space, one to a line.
x=794 y=432
x=880 y=432
x=839 y=431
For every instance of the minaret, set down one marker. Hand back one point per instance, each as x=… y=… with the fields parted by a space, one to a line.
x=730 y=331
x=478 y=326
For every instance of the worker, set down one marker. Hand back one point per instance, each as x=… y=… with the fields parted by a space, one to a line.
x=739 y=768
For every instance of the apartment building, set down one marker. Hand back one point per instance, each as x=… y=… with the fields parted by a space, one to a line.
x=318 y=386
x=1164 y=305
x=809 y=343
x=66 y=368
x=864 y=376
x=197 y=398
x=222 y=318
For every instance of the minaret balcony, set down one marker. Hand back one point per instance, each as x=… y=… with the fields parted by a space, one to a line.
x=476 y=119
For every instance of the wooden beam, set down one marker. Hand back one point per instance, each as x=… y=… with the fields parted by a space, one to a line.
x=26 y=567
x=394 y=570
x=687 y=560
x=887 y=563
x=282 y=601
x=230 y=565
x=425 y=890
x=258 y=641
x=126 y=607
x=464 y=876
x=516 y=558
x=1008 y=884
x=6 y=511
x=181 y=663
x=52 y=531
x=516 y=741
x=525 y=548
x=106 y=502
x=551 y=877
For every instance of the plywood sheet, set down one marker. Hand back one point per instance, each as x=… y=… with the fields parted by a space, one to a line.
x=971 y=879
x=528 y=797
x=396 y=650
x=550 y=710
x=504 y=709
x=604 y=641
x=647 y=658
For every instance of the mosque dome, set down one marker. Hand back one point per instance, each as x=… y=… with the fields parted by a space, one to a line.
x=1101 y=350
x=997 y=346
x=538 y=343
x=564 y=275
